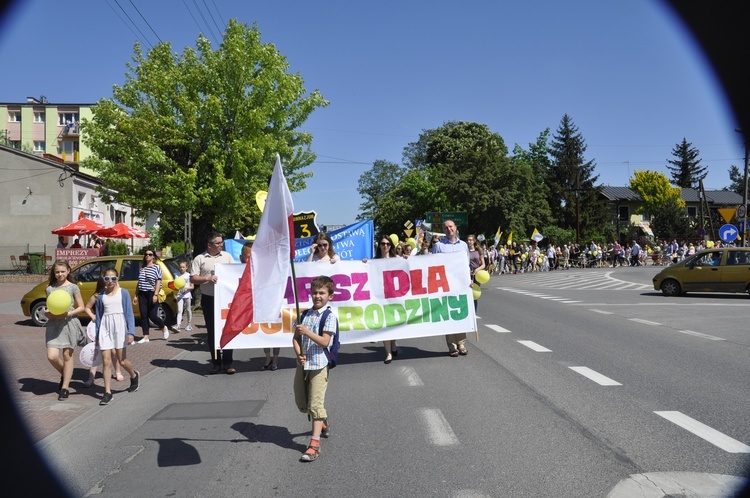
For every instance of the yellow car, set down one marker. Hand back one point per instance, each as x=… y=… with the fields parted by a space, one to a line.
x=726 y=269
x=33 y=303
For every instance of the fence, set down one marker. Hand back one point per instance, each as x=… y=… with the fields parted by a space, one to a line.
x=25 y=258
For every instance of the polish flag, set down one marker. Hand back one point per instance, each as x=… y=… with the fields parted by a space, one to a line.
x=260 y=293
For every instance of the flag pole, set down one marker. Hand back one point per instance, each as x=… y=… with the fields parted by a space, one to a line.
x=294 y=287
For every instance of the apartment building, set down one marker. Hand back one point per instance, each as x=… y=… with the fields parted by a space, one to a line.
x=45 y=129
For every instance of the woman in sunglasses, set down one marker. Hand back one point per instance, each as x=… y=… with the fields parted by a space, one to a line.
x=386 y=249
x=115 y=328
x=322 y=249
x=147 y=294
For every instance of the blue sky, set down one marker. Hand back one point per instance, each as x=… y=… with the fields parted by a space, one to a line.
x=627 y=73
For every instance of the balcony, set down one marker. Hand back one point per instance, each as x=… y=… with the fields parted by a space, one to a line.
x=71 y=130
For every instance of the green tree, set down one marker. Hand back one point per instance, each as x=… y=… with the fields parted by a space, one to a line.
x=655 y=191
x=200 y=131
x=374 y=183
x=574 y=199
x=670 y=221
x=414 y=196
x=738 y=181
x=685 y=168
x=537 y=157
x=470 y=164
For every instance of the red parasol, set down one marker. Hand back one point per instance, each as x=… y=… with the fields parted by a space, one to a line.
x=84 y=226
x=123 y=231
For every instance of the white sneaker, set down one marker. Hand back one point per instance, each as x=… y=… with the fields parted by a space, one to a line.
x=176 y=329
x=189 y=327
x=142 y=341
x=166 y=333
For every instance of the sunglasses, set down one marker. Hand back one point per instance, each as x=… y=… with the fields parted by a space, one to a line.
x=385 y=243
x=323 y=245
x=149 y=254
x=110 y=279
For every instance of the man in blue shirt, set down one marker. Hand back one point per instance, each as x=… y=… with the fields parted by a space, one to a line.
x=451 y=243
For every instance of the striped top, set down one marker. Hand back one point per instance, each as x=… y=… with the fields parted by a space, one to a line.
x=148 y=276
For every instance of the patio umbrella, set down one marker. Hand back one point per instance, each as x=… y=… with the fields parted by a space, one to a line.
x=123 y=231
x=84 y=226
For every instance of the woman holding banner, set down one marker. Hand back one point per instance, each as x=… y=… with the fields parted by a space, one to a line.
x=386 y=249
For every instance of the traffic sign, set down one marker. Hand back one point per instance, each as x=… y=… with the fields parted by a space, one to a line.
x=741 y=226
x=728 y=233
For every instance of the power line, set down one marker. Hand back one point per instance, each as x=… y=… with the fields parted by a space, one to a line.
x=191 y=15
x=144 y=20
x=131 y=21
x=125 y=23
x=219 y=13
x=211 y=31
x=212 y=16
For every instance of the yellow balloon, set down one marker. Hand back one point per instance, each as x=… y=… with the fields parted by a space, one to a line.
x=482 y=276
x=394 y=239
x=260 y=199
x=58 y=302
x=411 y=242
x=179 y=283
x=476 y=291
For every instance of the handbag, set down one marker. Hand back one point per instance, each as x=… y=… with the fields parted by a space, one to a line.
x=162 y=296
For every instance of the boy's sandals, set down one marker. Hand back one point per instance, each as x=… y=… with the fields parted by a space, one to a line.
x=463 y=351
x=454 y=354
x=311 y=453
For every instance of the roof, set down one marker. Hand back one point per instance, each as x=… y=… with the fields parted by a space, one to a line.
x=690 y=195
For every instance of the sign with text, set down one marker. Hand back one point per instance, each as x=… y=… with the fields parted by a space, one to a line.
x=76 y=256
x=461 y=219
x=383 y=299
x=305 y=224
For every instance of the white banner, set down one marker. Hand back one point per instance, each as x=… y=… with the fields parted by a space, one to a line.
x=382 y=299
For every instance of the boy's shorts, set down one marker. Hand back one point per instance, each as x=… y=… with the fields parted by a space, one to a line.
x=310 y=391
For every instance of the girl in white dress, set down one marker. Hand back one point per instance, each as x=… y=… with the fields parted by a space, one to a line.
x=115 y=329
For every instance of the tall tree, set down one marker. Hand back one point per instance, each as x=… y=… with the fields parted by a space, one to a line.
x=574 y=198
x=374 y=183
x=414 y=196
x=685 y=167
x=199 y=131
x=670 y=221
x=655 y=191
x=737 y=180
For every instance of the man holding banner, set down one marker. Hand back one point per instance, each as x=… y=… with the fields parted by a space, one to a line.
x=451 y=243
x=203 y=273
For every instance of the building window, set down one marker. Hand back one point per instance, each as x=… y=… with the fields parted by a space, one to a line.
x=120 y=216
x=38 y=117
x=39 y=146
x=623 y=213
x=16 y=144
x=14 y=116
x=67 y=118
x=81 y=197
x=692 y=211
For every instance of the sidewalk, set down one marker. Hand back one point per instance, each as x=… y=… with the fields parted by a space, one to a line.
x=32 y=381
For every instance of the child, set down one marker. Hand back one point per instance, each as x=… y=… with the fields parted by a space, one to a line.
x=90 y=313
x=115 y=328
x=184 y=298
x=63 y=332
x=311 y=378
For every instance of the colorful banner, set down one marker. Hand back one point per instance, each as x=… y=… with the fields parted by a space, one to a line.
x=382 y=299
x=353 y=243
x=75 y=257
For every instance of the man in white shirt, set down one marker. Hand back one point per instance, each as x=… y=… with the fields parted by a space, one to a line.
x=202 y=273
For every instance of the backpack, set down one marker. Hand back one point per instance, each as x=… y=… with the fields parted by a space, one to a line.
x=332 y=351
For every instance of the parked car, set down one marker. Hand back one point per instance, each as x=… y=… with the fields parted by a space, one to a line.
x=726 y=269
x=33 y=303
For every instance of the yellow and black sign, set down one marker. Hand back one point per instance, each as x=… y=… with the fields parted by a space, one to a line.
x=305 y=224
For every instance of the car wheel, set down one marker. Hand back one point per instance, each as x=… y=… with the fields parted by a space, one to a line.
x=671 y=288
x=38 y=310
x=165 y=314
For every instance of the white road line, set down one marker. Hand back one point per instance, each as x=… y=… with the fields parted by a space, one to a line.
x=559 y=299
x=704 y=336
x=439 y=431
x=570 y=302
x=601 y=311
x=547 y=297
x=412 y=379
x=600 y=379
x=498 y=328
x=703 y=431
x=646 y=322
x=536 y=347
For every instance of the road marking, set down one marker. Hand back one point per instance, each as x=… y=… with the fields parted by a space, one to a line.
x=705 y=432
x=536 y=347
x=570 y=302
x=602 y=312
x=412 y=378
x=439 y=431
x=498 y=328
x=600 y=379
x=704 y=336
x=640 y=320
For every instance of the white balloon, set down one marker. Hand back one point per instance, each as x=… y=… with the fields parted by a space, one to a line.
x=90 y=355
x=91 y=331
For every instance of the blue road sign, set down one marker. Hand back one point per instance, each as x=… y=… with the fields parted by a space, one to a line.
x=741 y=226
x=728 y=233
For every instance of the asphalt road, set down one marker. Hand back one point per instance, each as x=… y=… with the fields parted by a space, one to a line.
x=582 y=383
